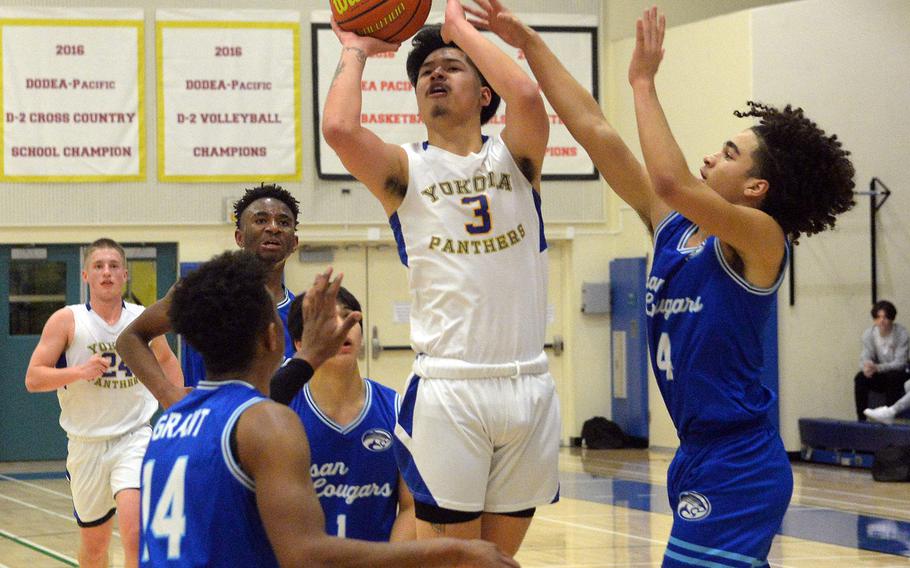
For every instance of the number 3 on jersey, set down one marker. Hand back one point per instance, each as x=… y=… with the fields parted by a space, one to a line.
x=169 y=519
x=663 y=356
x=482 y=211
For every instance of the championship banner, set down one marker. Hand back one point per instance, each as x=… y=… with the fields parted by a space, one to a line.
x=390 y=108
x=72 y=95
x=228 y=95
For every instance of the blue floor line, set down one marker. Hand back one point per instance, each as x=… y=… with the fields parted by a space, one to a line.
x=841 y=528
x=36 y=475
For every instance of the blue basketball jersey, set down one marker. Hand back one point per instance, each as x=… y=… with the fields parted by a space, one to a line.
x=194 y=367
x=353 y=467
x=705 y=327
x=198 y=506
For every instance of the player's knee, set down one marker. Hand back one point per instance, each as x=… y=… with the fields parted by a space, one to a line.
x=93 y=549
x=442 y=516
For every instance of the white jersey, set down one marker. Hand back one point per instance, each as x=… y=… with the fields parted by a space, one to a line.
x=470 y=232
x=115 y=403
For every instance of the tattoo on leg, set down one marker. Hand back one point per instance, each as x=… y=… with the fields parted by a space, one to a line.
x=438 y=528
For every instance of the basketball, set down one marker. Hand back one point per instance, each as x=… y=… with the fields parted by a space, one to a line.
x=389 y=20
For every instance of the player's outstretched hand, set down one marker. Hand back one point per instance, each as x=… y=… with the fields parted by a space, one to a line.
x=493 y=16
x=368 y=45
x=649 y=50
x=483 y=554
x=323 y=331
x=454 y=17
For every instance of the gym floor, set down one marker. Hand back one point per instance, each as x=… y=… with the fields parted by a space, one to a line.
x=613 y=513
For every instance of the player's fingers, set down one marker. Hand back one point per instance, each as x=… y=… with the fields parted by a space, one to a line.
x=656 y=23
x=309 y=298
x=486 y=6
x=321 y=282
x=495 y=4
x=480 y=14
x=649 y=26
x=481 y=25
x=336 y=283
x=349 y=321
x=662 y=28
x=331 y=295
x=338 y=31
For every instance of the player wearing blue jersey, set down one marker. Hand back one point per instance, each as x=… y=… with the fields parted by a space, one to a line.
x=721 y=245
x=465 y=211
x=266 y=225
x=349 y=422
x=225 y=480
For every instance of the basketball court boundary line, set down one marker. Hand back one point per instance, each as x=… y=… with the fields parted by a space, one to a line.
x=6 y=477
x=40 y=549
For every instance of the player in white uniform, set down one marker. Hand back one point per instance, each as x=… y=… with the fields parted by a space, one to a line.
x=465 y=210
x=104 y=409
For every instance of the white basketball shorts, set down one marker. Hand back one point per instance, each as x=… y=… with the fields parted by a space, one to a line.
x=98 y=470
x=480 y=437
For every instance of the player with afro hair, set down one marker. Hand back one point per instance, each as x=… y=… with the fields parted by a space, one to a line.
x=810 y=176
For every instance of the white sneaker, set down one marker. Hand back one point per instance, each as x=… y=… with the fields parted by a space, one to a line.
x=883 y=414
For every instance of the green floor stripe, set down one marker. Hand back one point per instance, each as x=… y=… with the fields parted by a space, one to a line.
x=38 y=548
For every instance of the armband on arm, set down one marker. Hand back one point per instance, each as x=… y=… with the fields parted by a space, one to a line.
x=289 y=379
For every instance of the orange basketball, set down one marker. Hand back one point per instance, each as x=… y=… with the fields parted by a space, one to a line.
x=389 y=20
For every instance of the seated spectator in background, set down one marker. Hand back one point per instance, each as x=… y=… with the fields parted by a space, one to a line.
x=883 y=364
x=887 y=414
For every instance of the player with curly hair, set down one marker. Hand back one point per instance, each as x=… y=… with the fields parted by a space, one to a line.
x=226 y=477
x=266 y=225
x=721 y=245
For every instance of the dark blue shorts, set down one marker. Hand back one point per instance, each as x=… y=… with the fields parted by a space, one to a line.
x=729 y=497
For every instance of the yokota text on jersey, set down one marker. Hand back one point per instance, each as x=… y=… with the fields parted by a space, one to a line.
x=467 y=186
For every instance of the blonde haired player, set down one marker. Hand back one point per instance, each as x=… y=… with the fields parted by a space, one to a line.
x=104 y=409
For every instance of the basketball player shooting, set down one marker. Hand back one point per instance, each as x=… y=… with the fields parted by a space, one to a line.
x=465 y=210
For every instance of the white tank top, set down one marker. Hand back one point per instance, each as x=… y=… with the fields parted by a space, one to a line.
x=113 y=404
x=470 y=232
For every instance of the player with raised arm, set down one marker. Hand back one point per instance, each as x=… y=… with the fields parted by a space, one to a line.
x=349 y=422
x=266 y=225
x=465 y=211
x=721 y=244
x=226 y=480
x=720 y=256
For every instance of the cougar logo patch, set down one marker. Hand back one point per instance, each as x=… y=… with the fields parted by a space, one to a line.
x=376 y=440
x=693 y=506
